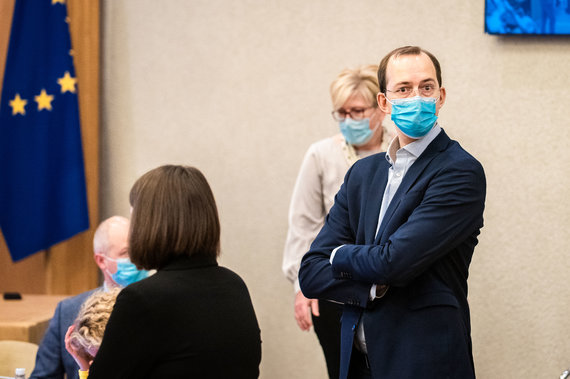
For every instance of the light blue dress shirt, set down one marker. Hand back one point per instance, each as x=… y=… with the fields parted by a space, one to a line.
x=400 y=160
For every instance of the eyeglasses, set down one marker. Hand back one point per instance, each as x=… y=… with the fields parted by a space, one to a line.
x=426 y=90
x=355 y=114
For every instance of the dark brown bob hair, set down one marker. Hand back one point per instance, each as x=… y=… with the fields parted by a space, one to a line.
x=405 y=50
x=174 y=214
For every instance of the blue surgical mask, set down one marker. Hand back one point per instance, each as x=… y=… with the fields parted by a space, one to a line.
x=414 y=116
x=127 y=273
x=356 y=132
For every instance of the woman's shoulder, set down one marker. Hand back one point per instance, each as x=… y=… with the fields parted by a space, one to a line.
x=184 y=275
x=230 y=275
x=326 y=144
x=327 y=150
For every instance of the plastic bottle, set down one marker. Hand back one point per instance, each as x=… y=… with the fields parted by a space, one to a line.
x=20 y=373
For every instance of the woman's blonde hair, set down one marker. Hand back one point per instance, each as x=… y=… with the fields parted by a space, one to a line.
x=362 y=80
x=92 y=319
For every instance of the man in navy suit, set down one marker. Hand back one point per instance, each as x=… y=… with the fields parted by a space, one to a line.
x=396 y=246
x=52 y=359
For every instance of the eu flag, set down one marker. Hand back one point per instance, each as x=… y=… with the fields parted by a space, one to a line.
x=43 y=197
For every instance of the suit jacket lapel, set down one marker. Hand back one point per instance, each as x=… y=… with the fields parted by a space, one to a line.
x=434 y=148
x=374 y=200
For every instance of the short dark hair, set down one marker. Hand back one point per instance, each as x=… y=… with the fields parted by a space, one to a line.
x=405 y=50
x=174 y=214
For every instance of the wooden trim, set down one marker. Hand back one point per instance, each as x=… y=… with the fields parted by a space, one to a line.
x=6 y=12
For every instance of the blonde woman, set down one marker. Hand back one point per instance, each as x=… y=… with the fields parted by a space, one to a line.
x=83 y=338
x=355 y=109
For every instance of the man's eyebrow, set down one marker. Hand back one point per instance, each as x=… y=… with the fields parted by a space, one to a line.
x=402 y=84
x=407 y=83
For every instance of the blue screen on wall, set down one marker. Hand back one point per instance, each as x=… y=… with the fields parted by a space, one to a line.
x=548 y=17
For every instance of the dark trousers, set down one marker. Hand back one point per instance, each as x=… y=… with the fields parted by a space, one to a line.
x=327 y=327
x=359 y=366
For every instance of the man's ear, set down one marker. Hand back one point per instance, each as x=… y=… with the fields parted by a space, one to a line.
x=99 y=261
x=441 y=101
x=383 y=104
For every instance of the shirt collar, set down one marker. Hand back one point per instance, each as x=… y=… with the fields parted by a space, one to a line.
x=415 y=148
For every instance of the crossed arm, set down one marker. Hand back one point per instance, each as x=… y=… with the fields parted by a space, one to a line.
x=429 y=222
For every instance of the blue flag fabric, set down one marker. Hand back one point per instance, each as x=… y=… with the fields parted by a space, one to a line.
x=43 y=197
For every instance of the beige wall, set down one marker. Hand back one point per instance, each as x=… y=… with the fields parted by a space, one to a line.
x=240 y=89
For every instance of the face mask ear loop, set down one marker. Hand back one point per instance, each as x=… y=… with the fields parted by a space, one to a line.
x=109 y=258
x=378 y=125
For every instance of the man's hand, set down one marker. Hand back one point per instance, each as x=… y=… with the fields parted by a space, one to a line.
x=303 y=309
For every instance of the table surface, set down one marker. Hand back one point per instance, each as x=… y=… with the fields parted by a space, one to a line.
x=28 y=318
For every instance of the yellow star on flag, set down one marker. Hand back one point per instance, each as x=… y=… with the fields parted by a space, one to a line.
x=57 y=1
x=18 y=105
x=44 y=100
x=67 y=83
